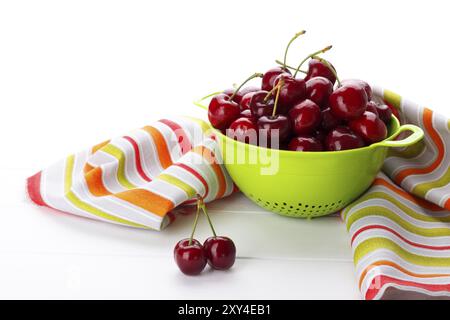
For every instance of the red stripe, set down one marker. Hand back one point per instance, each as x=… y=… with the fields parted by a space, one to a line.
x=380 y=281
x=138 y=158
x=399 y=236
x=197 y=175
x=182 y=137
x=34 y=189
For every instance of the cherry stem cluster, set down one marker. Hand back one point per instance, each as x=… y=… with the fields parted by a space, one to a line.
x=310 y=56
x=289 y=67
x=280 y=84
x=255 y=75
x=201 y=205
x=298 y=34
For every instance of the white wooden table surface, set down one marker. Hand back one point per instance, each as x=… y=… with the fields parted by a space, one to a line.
x=46 y=254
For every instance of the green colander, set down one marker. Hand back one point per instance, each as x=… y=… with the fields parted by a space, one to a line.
x=308 y=184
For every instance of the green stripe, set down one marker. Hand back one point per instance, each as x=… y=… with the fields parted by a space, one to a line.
x=180 y=184
x=422 y=188
x=85 y=206
x=393 y=98
x=410 y=212
x=120 y=156
x=370 y=245
x=384 y=212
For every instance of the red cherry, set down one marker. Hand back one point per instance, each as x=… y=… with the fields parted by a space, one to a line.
x=246 y=99
x=318 y=90
x=220 y=252
x=342 y=138
x=261 y=107
x=363 y=84
x=229 y=91
x=385 y=113
x=222 y=112
x=275 y=127
x=394 y=110
x=305 y=117
x=369 y=127
x=348 y=102
x=190 y=258
x=318 y=68
x=269 y=77
x=293 y=91
x=242 y=92
x=329 y=121
x=372 y=107
x=247 y=113
x=305 y=143
x=244 y=130
x=321 y=135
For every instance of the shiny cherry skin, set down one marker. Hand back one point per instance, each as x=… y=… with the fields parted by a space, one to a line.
x=222 y=112
x=319 y=69
x=247 y=113
x=220 y=252
x=259 y=107
x=244 y=130
x=293 y=91
x=269 y=77
x=363 y=84
x=371 y=128
x=305 y=117
x=191 y=259
x=321 y=135
x=385 y=113
x=319 y=90
x=348 y=102
x=342 y=138
x=329 y=121
x=274 y=127
x=241 y=93
x=372 y=107
x=246 y=99
x=305 y=143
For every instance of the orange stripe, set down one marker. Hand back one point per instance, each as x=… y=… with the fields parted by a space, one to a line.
x=396 y=266
x=161 y=146
x=419 y=201
x=147 y=200
x=87 y=168
x=428 y=123
x=209 y=156
x=447 y=204
x=94 y=181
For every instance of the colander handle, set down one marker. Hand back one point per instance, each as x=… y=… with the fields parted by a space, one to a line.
x=199 y=103
x=410 y=140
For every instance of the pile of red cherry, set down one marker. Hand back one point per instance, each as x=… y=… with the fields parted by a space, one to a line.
x=218 y=251
x=301 y=114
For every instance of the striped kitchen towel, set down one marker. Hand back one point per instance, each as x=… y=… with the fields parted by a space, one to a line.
x=139 y=179
x=400 y=228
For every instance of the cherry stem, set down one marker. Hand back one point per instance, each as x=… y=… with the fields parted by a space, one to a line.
x=290 y=67
x=195 y=224
x=298 y=34
x=255 y=75
x=270 y=93
x=310 y=56
x=202 y=205
x=279 y=86
x=328 y=64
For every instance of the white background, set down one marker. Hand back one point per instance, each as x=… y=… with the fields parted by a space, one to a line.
x=74 y=73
